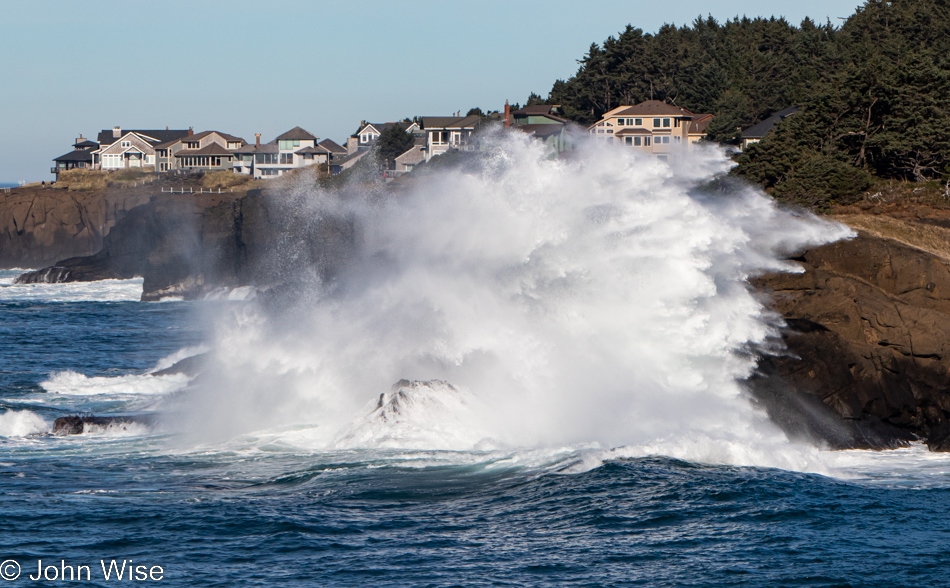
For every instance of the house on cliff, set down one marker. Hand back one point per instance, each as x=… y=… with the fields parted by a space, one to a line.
x=444 y=133
x=81 y=157
x=291 y=150
x=120 y=149
x=369 y=132
x=653 y=127
x=542 y=121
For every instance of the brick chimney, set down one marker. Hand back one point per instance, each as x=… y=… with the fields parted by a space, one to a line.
x=257 y=139
x=507 y=114
x=116 y=132
x=191 y=131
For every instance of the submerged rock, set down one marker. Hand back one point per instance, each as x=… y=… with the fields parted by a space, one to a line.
x=77 y=425
x=190 y=366
x=418 y=414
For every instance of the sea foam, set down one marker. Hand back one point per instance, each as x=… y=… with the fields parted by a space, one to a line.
x=601 y=299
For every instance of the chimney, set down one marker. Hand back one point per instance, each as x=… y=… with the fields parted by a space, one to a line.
x=191 y=131
x=166 y=127
x=257 y=139
x=79 y=139
x=352 y=145
x=507 y=114
x=116 y=132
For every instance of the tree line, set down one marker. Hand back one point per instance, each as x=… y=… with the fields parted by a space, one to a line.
x=874 y=93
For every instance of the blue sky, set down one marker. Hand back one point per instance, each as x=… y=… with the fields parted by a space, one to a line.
x=264 y=67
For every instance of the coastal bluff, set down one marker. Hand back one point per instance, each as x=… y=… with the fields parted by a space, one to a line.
x=868 y=338
x=189 y=246
x=40 y=225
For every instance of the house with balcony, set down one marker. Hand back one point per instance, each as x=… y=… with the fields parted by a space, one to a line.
x=369 y=132
x=207 y=151
x=120 y=149
x=81 y=157
x=443 y=133
x=294 y=149
x=652 y=127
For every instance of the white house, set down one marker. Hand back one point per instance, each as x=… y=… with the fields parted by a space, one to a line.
x=652 y=126
x=447 y=132
x=120 y=149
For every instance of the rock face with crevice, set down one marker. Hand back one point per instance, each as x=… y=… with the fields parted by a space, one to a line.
x=188 y=247
x=869 y=346
x=41 y=225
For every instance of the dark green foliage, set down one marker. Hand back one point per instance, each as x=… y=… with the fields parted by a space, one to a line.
x=742 y=70
x=475 y=111
x=875 y=94
x=392 y=143
x=534 y=100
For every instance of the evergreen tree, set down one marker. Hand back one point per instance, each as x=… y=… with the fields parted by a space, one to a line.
x=392 y=142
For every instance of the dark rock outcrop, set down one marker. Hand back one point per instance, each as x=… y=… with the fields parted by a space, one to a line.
x=190 y=366
x=77 y=425
x=41 y=225
x=869 y=346
x=188 y=247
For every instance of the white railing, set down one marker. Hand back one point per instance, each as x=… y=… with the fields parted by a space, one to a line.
x=184 y=190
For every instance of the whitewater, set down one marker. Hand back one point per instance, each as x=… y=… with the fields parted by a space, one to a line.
x=529 y=371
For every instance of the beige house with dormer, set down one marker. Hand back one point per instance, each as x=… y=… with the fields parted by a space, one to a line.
x=652 y=127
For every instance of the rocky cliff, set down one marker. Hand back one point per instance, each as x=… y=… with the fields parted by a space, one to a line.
x=41 y=225
x=868 y=340
x=186 y=247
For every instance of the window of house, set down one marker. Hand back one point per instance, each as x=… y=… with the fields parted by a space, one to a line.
x=666 y=122
x=637 y=142
x=126 y=143
x=638 y=122
x=676 y=139
x=287 y=158
x=621 y=121
x=646 y=141
x=656 y=123
x=290 y=144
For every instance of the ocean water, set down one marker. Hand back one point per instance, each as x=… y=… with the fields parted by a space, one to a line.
x=291 y=462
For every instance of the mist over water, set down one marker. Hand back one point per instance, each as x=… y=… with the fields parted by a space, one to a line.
x=599 y=302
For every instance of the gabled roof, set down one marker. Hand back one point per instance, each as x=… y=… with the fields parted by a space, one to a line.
x=449 y=122
x=331 y=146
x=77 y=155
x=246 y=149
x=225 y=136
x=160 y=136
x=653 y=108
x=166 y=144
x=348 y=158
x=537 y=109
x=85 y=144
x=210 y=149
x=380 y=127
x=313 y=150
x=295 y=134
x=699 y=124
x=759 y=131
